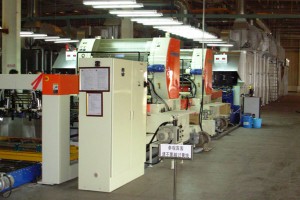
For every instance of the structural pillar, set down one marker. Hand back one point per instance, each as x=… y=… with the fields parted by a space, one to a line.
x=126 y=28
x=298 y=85
x=11 y=42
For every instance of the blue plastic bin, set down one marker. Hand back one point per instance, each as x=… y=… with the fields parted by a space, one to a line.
x=257 y=122
x=247 y=121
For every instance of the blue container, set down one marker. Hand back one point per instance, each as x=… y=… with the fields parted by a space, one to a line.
x=247 y=121
x=235 y=118
x=257 y=122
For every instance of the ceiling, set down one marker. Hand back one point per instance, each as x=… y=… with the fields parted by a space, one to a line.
x=280 y=16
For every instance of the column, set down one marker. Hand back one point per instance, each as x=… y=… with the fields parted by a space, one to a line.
x=126 y=28
x=11 y=42
x=298 y=85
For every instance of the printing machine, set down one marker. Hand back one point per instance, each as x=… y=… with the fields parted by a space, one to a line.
x=163 y=58
x=214 y=111
x=35 y=127
x=166 y=122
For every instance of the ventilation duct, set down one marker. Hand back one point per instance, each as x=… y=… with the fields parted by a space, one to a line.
x=183 y=8
x=240 y=23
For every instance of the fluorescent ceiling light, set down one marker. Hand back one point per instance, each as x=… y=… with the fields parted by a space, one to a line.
x=135 y=13
x=45 y=38
x=206 y=40
x=60 y=39
x=220 y=45
x=141 y=15
x=26 y=32
x=157 y=21
x=162 y=23
x=67 y=41
x=121 y=12
x=108 y=2
x=139 y=5
x=151 y=19
x=33 y=35
x=213 y=42
x=186 y=31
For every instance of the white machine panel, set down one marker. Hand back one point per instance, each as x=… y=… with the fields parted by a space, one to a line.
x=18 y=81
x=112 y=146
x=56 y=140
x=86 y=45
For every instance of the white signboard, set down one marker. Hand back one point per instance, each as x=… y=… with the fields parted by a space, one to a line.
x=71 y=55
x=220 y=58
x=176 y=151
x=94 y=104
x=94 y=79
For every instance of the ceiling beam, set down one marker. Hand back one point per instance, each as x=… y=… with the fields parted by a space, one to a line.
x=207 y=16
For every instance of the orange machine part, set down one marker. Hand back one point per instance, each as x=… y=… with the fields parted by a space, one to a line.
x=60 y=84
x=207 y=75
x=185 y=104
x=173 y=69
x=216 y=94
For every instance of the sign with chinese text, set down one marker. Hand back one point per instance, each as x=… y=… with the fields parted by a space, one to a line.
x=176 y=151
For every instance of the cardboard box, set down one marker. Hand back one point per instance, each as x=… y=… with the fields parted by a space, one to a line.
x=194 y=119
x=225 y=109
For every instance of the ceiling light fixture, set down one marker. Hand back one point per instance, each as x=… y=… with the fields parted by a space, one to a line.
x=211 y=42
x=207 y=40
x=156 y=21
x=141 y=15
x=151 y=19
x=219 y=45
x=26 y=32
x=59 y=39
x=162 y=23
x=138 y=5
x=33 y=35
x=204 y=40
x=108 y=2
x=67 y=41
x=186 y=31
x=135 y=13
x=47 y=37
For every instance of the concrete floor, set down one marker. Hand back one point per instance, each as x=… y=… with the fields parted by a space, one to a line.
x=254 y=164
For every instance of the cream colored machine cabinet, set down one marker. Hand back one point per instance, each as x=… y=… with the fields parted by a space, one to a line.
x=112 y=146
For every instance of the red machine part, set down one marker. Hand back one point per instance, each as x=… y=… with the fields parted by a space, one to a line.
x=60 y=84
x=173 y=69
x=207 y=74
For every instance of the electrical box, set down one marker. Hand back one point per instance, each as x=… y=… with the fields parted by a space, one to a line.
x=112 y=122
x=252 y=106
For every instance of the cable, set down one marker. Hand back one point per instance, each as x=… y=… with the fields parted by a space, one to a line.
x=161 y=99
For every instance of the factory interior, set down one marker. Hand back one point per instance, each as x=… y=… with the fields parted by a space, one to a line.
x=150 y=99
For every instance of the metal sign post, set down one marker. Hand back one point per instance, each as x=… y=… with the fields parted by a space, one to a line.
x=176 y=151
x=175 y=175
